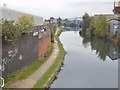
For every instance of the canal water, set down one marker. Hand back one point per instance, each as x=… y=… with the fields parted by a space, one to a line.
x=89 y=63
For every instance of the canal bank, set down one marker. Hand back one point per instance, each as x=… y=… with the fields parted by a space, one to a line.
x=51 y=74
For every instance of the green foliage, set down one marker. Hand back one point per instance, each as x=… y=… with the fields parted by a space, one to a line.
x=26 y=23
x=59 y=22
x=95 y=25
x=101 y=26
x=95 y=30
x=10 y=31
x=101 y=47
x=52 y=29
x=0 y=28
x=86 y=22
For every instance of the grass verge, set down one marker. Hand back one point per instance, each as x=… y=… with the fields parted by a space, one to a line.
x=42 y=81
x=25 y=72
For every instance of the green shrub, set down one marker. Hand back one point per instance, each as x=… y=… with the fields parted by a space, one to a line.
x=26 y=23
x=10 y=31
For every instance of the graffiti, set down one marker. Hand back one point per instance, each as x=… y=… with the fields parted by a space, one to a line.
x=35 y=34
x=11 y=55
x=1 y=83
x=2 y=68
x=20 y=57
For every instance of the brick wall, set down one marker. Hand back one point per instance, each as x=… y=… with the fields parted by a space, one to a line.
x=26 y=51
x=44 y=44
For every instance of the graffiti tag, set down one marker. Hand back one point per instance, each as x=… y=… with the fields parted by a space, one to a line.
x=11 y=55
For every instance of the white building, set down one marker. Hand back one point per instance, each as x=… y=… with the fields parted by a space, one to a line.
x=114 y=27
x=9 y=14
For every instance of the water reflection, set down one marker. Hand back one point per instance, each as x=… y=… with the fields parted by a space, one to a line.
x=102 y=47
x=82 y=68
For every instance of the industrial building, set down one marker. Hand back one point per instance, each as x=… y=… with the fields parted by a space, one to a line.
x=10 y=14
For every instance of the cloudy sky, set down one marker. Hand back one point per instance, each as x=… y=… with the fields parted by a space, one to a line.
x=60 y=8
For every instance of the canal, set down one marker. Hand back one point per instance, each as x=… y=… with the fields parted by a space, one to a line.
x=89 y=63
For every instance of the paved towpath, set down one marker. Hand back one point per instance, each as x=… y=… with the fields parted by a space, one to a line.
x=32 y=79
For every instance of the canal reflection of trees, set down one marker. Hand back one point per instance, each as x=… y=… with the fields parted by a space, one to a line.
x=102 y=47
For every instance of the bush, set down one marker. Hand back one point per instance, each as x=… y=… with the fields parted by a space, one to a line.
x=26 y=23
x=86 y=22
x=101 y=26
x=10 y=31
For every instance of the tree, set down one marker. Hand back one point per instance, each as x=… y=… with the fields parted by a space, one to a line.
x=101 y=26
x=59 y=20
x=10 y=31
x=86 y=22
x=26 y=23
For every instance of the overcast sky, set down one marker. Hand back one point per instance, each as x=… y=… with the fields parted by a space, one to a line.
x=61 y=8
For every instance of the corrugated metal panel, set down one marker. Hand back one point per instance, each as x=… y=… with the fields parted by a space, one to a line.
x=14 y=15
